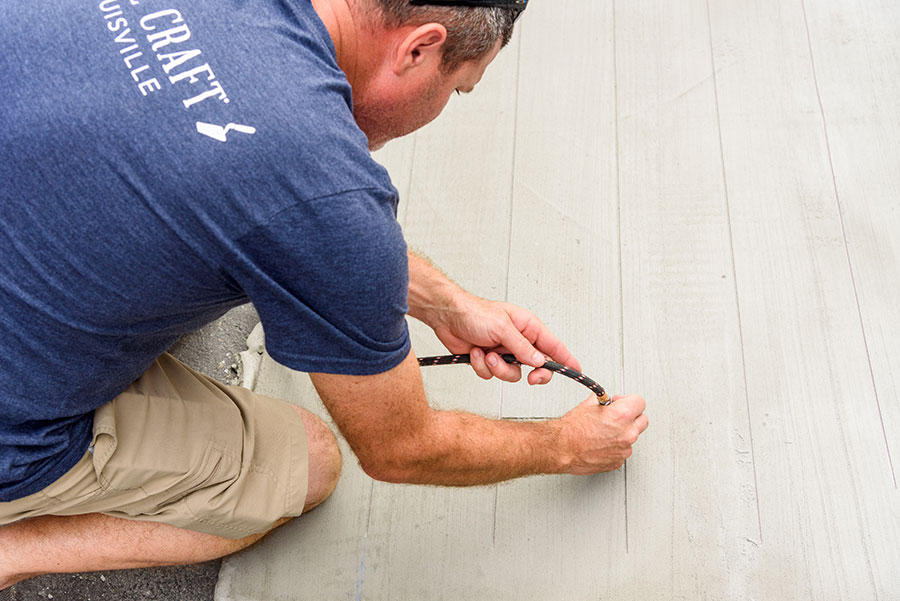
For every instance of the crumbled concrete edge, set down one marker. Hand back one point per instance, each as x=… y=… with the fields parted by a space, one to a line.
x=215 y=348
x=251 y=359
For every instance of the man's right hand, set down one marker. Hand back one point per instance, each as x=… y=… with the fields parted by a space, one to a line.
x=599 y=438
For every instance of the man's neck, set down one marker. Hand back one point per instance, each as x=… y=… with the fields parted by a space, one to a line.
x=354 y=41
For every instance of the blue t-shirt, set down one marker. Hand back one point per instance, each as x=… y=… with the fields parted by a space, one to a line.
x=160 y=163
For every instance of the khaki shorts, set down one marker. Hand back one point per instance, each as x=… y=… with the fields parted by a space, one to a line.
x=177 y=447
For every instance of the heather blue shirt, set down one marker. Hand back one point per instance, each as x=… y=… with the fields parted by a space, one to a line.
x=162 y=161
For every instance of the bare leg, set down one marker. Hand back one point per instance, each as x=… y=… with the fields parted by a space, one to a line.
x=324 y=459
x=84 y=543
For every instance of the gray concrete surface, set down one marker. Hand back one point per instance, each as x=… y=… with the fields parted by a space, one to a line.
x=212 y=350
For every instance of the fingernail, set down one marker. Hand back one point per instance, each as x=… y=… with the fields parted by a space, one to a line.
x=492 y=361
x=539 y=358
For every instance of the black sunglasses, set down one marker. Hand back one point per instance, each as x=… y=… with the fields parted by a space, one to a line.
x=516 y=5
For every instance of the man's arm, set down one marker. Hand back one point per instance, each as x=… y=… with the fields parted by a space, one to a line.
x=398 y=437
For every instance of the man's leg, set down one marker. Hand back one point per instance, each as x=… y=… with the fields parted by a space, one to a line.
x=82 y=543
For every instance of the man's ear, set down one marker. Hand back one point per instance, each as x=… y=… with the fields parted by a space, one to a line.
x=422 y=46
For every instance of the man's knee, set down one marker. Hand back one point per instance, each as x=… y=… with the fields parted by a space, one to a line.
x=324 y=459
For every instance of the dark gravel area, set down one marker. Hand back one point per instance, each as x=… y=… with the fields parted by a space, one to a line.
x=212 y=350
x=180 y=583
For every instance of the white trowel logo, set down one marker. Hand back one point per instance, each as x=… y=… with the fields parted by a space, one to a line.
x=217 y=132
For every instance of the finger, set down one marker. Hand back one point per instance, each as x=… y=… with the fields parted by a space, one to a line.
x=634 y=403
x=551 y=346
x=519 y=346
x=501 y=369
x=506 y=371
x=544 y=340
x=642 y=422
x=627 y=408
x=539 y=376
x=476 y=360
x=640 y=402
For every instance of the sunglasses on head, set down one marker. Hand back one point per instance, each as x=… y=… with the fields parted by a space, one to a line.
x=516 y=5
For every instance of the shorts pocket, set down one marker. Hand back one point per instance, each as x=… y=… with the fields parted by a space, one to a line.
x=158 y=466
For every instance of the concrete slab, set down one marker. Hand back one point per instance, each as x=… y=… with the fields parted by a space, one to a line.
x=702 y=202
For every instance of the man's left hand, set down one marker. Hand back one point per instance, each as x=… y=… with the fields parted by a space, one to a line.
x=486 y=329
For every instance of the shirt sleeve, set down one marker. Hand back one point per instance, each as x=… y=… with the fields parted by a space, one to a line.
x=329 y=278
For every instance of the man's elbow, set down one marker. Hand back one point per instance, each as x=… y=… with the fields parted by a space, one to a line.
x=397 y=466
x=384 y=472
x=407 y=455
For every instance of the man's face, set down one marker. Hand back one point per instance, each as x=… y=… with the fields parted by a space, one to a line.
x=392 y=108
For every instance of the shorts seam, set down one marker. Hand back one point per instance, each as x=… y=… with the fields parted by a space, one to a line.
x=82 y=499
x=223 y=525
x=51 y=499
x=47 y=497
x=288 y=492
x=292 y=468
x=104 y=459
x=259 y=468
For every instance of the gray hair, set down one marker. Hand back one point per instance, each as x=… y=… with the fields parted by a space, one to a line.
x=472 y=32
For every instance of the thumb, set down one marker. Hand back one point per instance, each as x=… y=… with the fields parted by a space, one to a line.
x=524 y=351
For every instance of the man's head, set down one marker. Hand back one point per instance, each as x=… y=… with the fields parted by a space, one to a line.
x=404 y=60
x=472 y=31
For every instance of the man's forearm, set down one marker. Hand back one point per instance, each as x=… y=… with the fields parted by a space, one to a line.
x=464 y=449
